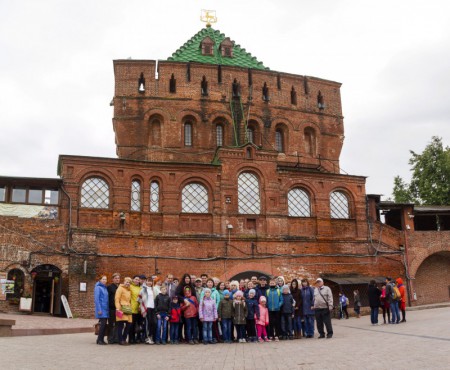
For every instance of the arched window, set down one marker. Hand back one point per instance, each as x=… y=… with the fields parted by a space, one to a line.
x=155 y=132
x=219 y=135
x=188 y=134
x=95 y=193
x=248 y=194
x=250 y=135
x=339 y=205
x=154 y=196
x=298 y=203
x=194 y=198
x=309 y=137
x=136 y=195
x=279 y=142
x=18 y=277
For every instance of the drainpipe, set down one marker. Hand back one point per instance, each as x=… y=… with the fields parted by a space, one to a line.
x=408 y=278
x=69 y=230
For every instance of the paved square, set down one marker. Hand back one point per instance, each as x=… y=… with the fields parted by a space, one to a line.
x=421 y=343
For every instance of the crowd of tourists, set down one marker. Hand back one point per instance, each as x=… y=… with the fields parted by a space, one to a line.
x=391 y=298
x=205 y=310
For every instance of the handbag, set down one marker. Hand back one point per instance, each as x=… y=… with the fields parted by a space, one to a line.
x=126 y=310
x=97 y=328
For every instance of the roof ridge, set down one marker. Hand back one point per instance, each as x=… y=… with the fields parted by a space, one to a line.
x=189 y=51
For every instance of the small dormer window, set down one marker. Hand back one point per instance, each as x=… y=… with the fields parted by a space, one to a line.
x=207 y=46
x=226 y=48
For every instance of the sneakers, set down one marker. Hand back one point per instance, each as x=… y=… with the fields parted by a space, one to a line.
x=242 y=341
x=276 y=339
x=267 y=340
x=149 y=341
x=260 y=340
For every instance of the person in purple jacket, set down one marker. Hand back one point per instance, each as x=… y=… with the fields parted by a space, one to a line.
x=308 y=313
x=208 y=314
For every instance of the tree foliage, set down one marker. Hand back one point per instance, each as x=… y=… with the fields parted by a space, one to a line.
x=430 y=180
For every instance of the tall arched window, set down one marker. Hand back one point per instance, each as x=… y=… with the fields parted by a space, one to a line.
x=155 y=133
x=298 y=203
x=194 y=198
x=248 y=194
x=188 y=134
x=279 y=142
x=136 y=195
x=219 y=135
x=339 y=205
x=154 y=196
x=309 y=138
x=95 y=193
x=250 y=135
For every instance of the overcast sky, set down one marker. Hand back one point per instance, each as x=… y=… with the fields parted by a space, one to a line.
x=392 y=57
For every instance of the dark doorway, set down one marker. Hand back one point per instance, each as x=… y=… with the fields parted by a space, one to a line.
x=46 y=289
x=249 y=274
x=42 y=295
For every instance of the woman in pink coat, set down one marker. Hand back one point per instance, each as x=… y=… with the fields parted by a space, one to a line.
x=262 y=321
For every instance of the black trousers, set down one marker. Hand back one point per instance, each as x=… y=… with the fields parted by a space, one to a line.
x=251 y=328
x=323 y=316
x=274 y=324
x=113 y=335
x=102 y=330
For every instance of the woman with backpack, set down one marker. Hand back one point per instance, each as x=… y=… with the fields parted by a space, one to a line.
x=374 y=301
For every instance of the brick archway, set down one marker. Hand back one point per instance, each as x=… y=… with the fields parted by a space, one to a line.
x=421 y=254
x=263 y=267
x=432 y=279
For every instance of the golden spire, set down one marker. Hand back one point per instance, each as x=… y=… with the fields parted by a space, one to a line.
x=208 y=16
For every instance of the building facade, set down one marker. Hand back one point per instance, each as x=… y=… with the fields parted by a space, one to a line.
x=223 y=167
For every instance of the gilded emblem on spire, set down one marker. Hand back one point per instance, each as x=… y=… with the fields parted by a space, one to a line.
x=208 y=16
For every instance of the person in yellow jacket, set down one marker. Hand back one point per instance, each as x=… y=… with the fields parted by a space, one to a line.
x=123 y=303
x=135 y=289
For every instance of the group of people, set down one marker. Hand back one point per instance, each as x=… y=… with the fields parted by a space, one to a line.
x=391 y=298
x=193 y=310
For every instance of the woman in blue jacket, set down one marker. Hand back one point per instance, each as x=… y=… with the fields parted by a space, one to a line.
x=101 y=307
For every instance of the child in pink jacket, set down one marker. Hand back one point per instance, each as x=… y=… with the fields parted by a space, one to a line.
x=263 y=321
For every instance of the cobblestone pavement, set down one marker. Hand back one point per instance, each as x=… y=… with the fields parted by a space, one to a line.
x=421 y=343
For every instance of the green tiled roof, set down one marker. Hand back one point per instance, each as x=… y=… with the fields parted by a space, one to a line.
x=191 y=52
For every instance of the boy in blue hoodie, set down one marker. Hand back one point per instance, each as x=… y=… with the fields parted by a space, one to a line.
x=287 y=313
x=274 y=302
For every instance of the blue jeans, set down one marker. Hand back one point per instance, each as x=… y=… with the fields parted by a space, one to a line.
x=309 y=324
x=374 y=315
x=174 y=331
x=395 y=312
x=297 y=324
x=286 y=324
x=191 y=328
x=207 y=331
x=226 y=329
x=162 y=324
x=240 y=330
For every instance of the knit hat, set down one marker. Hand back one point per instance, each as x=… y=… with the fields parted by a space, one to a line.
x=226 y=292
x=285 y=287
x=207 y=290
x=262 y=299
x=238 y=294
x=252 y=291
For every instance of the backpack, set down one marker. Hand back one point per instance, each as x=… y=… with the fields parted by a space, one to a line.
x=396 y=294
x=347 y=302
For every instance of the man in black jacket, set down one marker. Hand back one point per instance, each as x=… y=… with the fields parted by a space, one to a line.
x=112 y=328
x=374 y=301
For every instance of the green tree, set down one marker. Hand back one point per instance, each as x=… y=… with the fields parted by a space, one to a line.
x=430 y=181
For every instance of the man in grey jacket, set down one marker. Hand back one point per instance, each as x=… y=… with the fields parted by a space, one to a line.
x=323 y=304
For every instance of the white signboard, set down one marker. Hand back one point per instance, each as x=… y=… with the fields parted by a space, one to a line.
x=66 y=307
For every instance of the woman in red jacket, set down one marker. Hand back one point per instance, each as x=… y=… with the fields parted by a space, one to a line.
x=402 y=302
